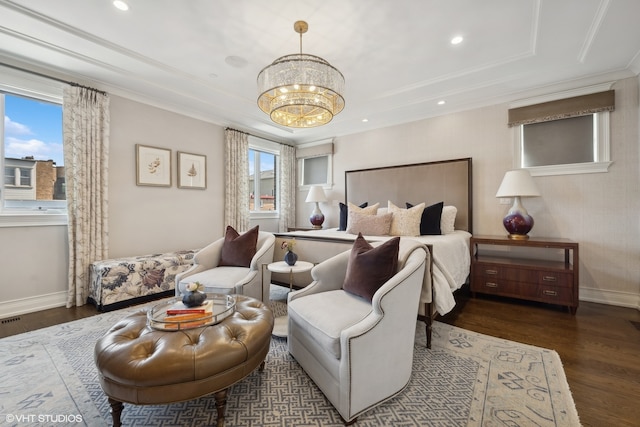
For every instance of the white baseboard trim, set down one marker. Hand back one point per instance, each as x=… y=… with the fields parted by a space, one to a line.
x=31 y=304
x=621 y=299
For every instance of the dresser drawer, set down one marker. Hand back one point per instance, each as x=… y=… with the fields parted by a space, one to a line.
x=514 y=274
x=555 y=294
x=497 y=286
x=554 y=278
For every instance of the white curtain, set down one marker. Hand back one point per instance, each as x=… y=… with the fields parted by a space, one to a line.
x=288 y=186
x=85 y=121
x=236 y=208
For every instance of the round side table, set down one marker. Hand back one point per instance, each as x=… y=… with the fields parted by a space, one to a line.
x=281 y=325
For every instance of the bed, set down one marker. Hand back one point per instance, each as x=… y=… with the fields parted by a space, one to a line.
x=448 y=181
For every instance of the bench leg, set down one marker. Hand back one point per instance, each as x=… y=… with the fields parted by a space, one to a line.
x=221 y=403
x=116 y=411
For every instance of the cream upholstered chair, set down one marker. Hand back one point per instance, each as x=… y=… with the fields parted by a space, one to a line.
x=359 y=353
x=228 y=279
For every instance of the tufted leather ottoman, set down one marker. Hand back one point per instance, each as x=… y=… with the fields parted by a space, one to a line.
x=144 y=366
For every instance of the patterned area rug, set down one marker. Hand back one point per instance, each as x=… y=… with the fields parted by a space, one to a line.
x=48 y=377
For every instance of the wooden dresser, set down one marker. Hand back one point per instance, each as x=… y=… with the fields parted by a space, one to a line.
x=498 y=270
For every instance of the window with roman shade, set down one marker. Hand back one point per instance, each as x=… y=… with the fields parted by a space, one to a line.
x=565 y=135
x=315 y=162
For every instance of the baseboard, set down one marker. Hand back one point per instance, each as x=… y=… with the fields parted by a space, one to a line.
x=31 y=304
x=617 y=298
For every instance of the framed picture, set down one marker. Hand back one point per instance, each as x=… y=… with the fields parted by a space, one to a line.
x=153 y=166
x=192 y=171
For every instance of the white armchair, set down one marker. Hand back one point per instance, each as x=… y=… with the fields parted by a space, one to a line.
x=358 y=353
x=231 y=280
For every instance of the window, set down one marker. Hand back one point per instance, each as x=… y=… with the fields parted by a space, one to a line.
x=315 y=171
x=262 y=181
x=31 y=150
x=33 y=157
x=564 y=136
x=314 y=163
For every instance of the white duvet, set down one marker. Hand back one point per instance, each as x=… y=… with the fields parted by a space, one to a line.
x=451 y=261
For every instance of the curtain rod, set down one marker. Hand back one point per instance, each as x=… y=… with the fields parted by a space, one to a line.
x=51 y=78
x=256 y=136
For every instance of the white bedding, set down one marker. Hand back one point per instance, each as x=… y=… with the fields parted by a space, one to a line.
x=451 y=260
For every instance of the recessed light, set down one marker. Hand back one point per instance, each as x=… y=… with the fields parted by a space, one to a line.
x=457 y=40
x=365 y=120
x=236 y=61
x=442 y=102
x=119 y=4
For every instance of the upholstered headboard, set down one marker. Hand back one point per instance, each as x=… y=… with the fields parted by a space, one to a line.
x=449 y=181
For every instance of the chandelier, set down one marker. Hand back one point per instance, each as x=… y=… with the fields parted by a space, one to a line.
x=300 y=90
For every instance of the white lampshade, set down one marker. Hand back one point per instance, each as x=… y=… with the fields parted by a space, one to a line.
x=316 y=194
x=518 y=183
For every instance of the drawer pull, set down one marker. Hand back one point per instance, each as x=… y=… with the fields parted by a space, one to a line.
x=491 y=285
x=550 y=293
x=549 y=278
x=494 y=272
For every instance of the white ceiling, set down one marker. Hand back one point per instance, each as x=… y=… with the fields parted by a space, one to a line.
x=201 y=57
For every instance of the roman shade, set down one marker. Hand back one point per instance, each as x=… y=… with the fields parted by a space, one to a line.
x=562 y=108
x=315 y=151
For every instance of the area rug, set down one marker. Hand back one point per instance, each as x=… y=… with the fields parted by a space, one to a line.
x=48 y=377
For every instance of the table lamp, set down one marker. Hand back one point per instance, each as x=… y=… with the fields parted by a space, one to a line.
x=316 y=195
x=517 y=184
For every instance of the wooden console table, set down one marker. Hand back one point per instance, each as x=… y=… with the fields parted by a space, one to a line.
x=535 y=279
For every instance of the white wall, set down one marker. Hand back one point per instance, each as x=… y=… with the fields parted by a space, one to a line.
x=145 y=219
x=142 y=219
x=599 y=211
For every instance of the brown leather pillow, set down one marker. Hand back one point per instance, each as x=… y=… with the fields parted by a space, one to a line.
x=370 y=267
x=238 y=249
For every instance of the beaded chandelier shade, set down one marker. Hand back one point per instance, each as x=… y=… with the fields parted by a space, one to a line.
x=300 y=90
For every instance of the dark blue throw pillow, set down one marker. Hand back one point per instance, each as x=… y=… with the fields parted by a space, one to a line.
x=430 y=221
x=344 y=214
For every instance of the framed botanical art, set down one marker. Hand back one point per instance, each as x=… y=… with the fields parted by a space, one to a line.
x=192 y=171
x=153 y=166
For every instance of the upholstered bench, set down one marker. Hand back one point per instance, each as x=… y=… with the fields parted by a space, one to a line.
x=117 y=283
x=144 y=366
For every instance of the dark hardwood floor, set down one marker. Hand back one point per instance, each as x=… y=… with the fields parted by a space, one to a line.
x=599 y=346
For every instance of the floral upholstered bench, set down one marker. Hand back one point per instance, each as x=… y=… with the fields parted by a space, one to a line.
x=117 y=283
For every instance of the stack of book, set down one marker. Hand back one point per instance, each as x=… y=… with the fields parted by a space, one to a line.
x=180 y=316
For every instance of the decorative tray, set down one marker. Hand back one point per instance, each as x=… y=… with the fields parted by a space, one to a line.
x=214 y=310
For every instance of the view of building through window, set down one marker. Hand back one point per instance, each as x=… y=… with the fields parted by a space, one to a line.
x=262 y=165
x=33 y=154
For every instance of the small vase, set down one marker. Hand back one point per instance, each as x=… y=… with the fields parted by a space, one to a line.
x=290 y=258
x=194 y=299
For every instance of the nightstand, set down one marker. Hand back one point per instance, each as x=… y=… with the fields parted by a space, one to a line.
x=548 y=274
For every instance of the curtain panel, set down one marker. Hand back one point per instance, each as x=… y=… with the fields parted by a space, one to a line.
x=288 y=186
x=85 y=121
x=236 y=208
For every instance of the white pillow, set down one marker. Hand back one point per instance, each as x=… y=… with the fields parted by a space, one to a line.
x=448 y=219
x=369 y=210
x=368 y=225
x=383 y=211
x=406 y=222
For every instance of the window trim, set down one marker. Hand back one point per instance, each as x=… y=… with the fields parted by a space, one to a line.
x=603 y=143
x=259 y=144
